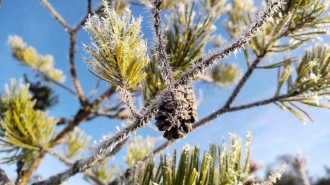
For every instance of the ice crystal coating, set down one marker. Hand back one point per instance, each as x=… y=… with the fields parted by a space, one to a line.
x=177 y=111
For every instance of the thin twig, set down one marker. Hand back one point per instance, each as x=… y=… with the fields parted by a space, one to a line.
x=55 y=82
x=83 y=20
x=62 y=121
x=236 y=108
x=82 y=115
x=89 y=6
x=81 y=23
x=116 y=115
x=242 y=81
x=55 y=14
x=94 y=90
x=114 y=108
x=128 y=100
x=106 y=94
x=76 y=83
x=192 y=74
x=216 y=114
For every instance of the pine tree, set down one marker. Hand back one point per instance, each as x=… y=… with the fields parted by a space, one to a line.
x=163 y=73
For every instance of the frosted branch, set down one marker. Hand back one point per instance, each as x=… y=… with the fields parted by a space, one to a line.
x=272 y=178
x=214 y=115
x=108 y=143
x=69 y=163
x=128 y=100
x=111 y=141
x=55 y=14
x=272 y=7
x=160 y=44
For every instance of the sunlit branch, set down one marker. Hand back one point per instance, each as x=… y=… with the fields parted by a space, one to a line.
x=160 y=45
x=121 y=135
x=233 y=47
x=55 y=14
x=109 y=142
x=69 y=163
x=216 y=114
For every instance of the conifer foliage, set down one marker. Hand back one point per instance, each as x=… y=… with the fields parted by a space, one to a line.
x=185 y=48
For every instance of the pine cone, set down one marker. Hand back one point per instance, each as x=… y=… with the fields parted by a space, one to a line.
x=177 y=111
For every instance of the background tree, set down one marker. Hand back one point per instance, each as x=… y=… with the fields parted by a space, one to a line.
x=161 y=74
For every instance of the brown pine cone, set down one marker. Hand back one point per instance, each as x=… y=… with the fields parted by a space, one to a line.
x=177 y=111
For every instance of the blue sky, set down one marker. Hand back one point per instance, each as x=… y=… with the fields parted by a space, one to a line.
x=275 y=132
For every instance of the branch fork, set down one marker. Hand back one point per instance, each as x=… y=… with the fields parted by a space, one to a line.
x=186 y=78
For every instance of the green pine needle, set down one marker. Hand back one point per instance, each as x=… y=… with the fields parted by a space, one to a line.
x=118 y=50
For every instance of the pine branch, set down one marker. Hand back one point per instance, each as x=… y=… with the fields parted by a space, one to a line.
x=82 y=115
x=56 y=82
x=72 y=49
x=83 y=20
x=243 y=81
x=116 y=115
x=69 y=163
x=219 y=113
x=89 y=7
x=272 y=7
x=109 y=142
x=112 y=153
x=160 y=45
x=79 y=117
x=123 y=134
x=128 y=100
x=76 y=83
x=56 y=15
x=236 y=108
x=165 y=145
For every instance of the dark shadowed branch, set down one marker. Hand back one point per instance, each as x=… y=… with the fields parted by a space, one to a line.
x=89 y=6
x=4 y=180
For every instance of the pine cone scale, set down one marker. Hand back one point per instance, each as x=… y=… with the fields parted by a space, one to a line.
x=177 y=111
